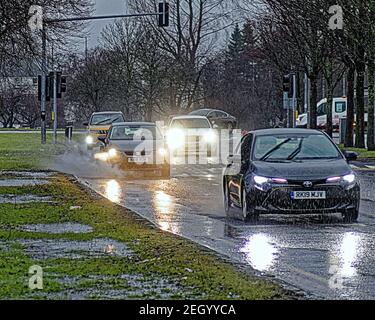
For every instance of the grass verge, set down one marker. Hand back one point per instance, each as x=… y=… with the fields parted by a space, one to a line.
x=161 y=265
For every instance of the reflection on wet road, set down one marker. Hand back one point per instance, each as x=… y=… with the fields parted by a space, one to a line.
x=321 y=255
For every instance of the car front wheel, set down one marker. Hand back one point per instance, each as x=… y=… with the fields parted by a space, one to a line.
x=247 y=214
x=166 y=171
x=227 y=202
x=350 y=216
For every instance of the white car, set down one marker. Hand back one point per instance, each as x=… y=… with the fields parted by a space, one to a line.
x=192 y=135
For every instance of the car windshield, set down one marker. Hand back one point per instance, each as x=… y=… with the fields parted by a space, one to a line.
x=294 y=147
x=190 y=124
x=106 y=119
x=135 y=133
x=200 y=113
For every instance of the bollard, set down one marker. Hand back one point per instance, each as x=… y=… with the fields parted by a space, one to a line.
x=69 y=132
x=342 y=130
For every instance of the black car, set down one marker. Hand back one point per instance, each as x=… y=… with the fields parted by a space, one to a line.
x=217 y=117
x=136 y=146
x=291 y=171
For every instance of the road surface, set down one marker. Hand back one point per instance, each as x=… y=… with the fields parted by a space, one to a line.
x=324 y=257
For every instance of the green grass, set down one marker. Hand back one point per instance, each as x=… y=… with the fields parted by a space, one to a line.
x=157 y=254
x=363 y=153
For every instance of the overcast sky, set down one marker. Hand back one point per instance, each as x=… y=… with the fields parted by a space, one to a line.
x=103 y=7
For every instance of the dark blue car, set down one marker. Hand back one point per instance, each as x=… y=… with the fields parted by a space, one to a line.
x=291 y=171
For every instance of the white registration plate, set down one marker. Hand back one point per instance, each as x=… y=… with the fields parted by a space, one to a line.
x=308 y=195
x=138 y=159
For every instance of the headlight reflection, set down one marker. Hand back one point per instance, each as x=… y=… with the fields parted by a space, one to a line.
x=348 y=254
x=165 y=206
x=113 y=191
x=260 y=252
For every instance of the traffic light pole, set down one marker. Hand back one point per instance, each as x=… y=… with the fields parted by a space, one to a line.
x=54 y=107
x=43 y=88
x=294 y=100
x=163 y=22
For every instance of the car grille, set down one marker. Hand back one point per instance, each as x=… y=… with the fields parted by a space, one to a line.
x=280 y=199
x=131 y=153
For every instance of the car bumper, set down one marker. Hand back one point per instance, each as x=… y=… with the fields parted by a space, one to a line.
x=279 y=200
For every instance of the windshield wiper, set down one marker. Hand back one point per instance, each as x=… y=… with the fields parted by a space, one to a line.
x=105 y=120
x=269 y=153
x=296 y=152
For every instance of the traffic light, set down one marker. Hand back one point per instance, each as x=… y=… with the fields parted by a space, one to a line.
x=288 y=85
x=163 y=14
x=63 y=85
x=48 y=94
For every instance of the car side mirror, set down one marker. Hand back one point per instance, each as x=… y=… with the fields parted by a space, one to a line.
x=351 y=156
x=103 y=140
x=215 y=126
x=86 y=124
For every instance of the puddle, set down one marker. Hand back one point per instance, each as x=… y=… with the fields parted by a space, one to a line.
x=27 y=174
x=21 y=182
x=57 y=228
x=8 y=198
x=129 y=286
x=50 y=248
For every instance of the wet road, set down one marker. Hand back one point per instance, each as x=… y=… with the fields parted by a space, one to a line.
x=322 y=256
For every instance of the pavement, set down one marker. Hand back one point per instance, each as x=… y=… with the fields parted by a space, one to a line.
x=321 y=256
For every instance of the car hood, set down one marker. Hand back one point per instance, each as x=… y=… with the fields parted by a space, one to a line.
x=305 y=170
x=100 y=128
x=131 y=145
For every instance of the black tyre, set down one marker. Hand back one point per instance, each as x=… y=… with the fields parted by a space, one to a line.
x=351 y=216
x=226 y=197
x=247 y=214
x=166 y=172
x=244 y=207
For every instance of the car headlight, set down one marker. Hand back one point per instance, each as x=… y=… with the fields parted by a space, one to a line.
x=349 y=178
x=163 y=152
x=89 y=140
x=261 y=180
x=112 y=153
x=264 y=184
x=175 y=138
x=348 y=181
x=210 y=137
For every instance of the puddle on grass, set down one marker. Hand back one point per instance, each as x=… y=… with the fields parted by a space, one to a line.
x=128 y=286
x=27 y=174
x=57 y=228
x=21 y=182
x=39 y=249
x=16 y=199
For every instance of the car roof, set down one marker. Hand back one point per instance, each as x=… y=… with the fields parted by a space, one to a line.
x=145 y=124
x=266 y=132
x=209 y=110
x=189 y=117
x=108 y=112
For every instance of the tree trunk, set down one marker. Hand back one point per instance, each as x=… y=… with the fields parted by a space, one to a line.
x=313 y=103
x=350 y=108
x=329 y=96
x=371 y=94
x=360 y=98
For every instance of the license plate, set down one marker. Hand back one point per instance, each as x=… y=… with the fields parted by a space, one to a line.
x=138 y=160
x=308 y=195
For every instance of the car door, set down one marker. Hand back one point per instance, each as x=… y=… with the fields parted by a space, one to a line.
x=214 y=118
x=240 y=165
